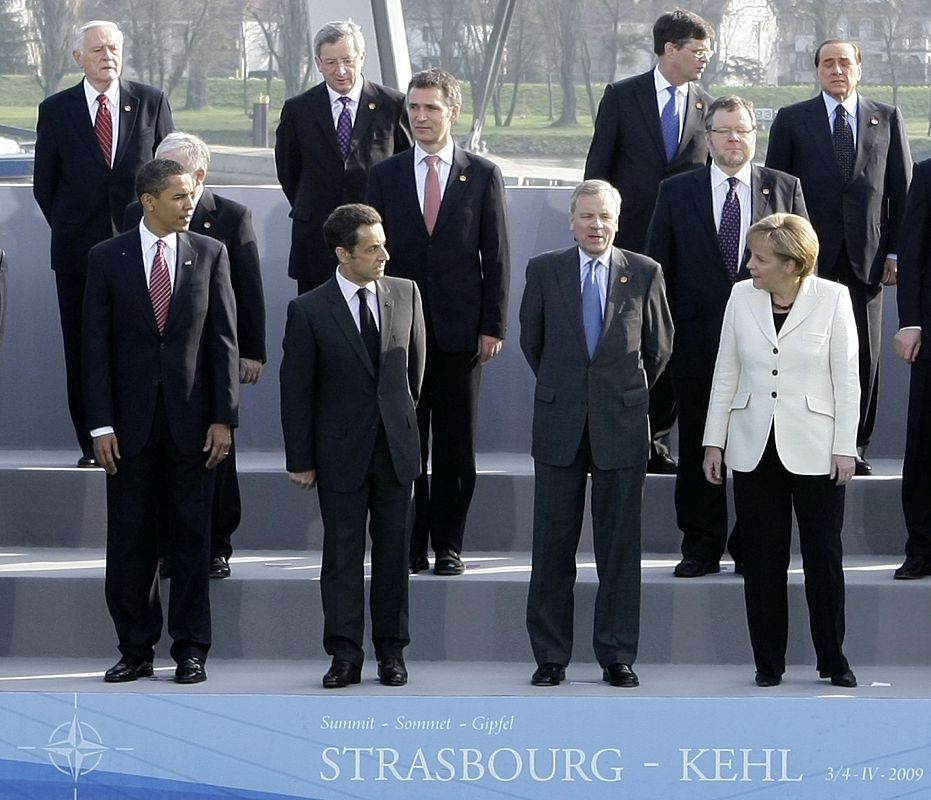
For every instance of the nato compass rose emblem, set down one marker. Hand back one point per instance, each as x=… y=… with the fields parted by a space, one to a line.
x=75 y=748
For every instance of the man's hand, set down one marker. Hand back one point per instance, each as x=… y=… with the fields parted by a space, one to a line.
x=250 y=370
x=842 y=469
x=306 y=480
x=219 y=439
x=713 y=465
x=890 y=269
x=907 y=344
x=488 y=347
x=107 y=452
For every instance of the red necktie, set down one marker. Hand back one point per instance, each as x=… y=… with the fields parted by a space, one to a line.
x=431 y=194
x=160 y=286
x=103 y=127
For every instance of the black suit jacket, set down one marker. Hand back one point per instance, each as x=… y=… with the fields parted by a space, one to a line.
x=913 y=290
x=463 y=268
x=126 y=363
x=82 y=199
x=683 y=238
x=312 y=172
x=865 y=215
x=610 y=391
x=231 y=223
x=332 y=399
x=627 y=149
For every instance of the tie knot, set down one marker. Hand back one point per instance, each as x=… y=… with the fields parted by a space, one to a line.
x=841 y=112
x=102 y=100
x=362 y=295
x=672 y=92
x=432 y=161
x=159 y=246
x=732 y=182
x=344 y=100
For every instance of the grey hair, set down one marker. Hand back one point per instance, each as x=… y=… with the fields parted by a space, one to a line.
x=194 y=153
x=594 y=186
x=96 y=23
x=336 y=31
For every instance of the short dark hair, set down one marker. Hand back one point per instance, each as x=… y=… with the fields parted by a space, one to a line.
x=856 y=49
x=678 y=27
x=153 y=177
x=439 y=79
x=730 y=102
x=341 y=228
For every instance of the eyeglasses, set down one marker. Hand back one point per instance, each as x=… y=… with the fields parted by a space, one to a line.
x=333 y=63
x=729 y=133
x=701 y=53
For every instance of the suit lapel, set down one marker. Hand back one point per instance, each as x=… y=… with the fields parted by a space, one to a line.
x=134 y=270
x=344 y=321
x=460 y=175
x=694 y=117
x=761 y=308
x=761 y=194
x=129 y=114
x=618 y=280
x=868 y=121
x=819 y=128
x=703 y=202
x=365 y=113
x=80 y=118
x=806 y=301
x=645 y=93
x=570 y=285
x=185 y=264
x=205 y=214
x=386 y=318
x=322 y=114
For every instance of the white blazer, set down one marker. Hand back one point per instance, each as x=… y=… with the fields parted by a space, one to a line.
x=804 y=382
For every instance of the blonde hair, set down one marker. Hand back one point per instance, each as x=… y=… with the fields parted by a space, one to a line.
x=791 y=237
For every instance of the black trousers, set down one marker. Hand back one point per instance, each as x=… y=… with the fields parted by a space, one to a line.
x=159 y=476
x=70 y=290
x=446 y=416
x=765 y=499
x=662 y=413
x=558 y=506
x=916 y=469
x=386 y=505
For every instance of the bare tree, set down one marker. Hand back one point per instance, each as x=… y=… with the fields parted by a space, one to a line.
x=565 y=23
x=285 y=26
x=891 y=24
x=50 y=27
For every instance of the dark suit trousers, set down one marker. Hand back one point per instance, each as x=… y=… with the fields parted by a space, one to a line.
x=227 y=505
x=160 y=475
x=558 y=506
x=916 y=469
x=446 y=416
x=662 y=413
x=701 y=507
x=867 y=302
x=387 y=505
x=70 y=310
x=765 y=498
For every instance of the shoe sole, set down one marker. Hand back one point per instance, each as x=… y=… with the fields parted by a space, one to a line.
x=145 y=672
x=195 y=679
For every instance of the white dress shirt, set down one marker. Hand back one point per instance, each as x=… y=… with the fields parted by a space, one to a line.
x=113 y=99
x=350 y=295
x=719 y=189
x=662 y=96
x=336 y=107
x=602 y=268
x=420 y=169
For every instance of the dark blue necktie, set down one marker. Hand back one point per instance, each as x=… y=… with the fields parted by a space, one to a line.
x=669 y=120
x=344 y=128
x=729 y=230
x=842 y=137
x=592 y=311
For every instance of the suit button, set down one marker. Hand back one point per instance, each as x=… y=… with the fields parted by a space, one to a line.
x=774 y=394
x=775 y=372
x=775 y=351
x=161 y=346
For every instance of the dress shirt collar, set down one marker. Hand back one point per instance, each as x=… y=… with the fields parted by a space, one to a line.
x=112 y=93
x=661 y=84
x=604 y=259
x=354 y=94
x=850 y=106
x=349 y=289
x=446 y=154
x=718 y=176
x=149 y=239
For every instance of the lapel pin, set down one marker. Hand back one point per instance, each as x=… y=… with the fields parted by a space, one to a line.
x=371 y=106
x=462 y=179
x=188 y=263
x=874 y=121
x=127 y=108
x=624 y=279
x=206 y=225
x=766 y=191
x=699 y=105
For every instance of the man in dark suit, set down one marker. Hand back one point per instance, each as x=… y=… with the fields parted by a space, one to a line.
x=596 y=331
x=231 y=223
x=350 y=377
x=91 y=140
x=853 y=159
x=649 y=127
x=327 y=140
x=698 y=234
x=913 y=295
x=444 y=212
x=161 y=390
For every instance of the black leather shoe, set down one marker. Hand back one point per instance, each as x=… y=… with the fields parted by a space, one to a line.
x=847 y=679
x=765 y=681
x=448 y=563
x=695 y=568
x=419 y=563
x=341 y=674
x=190 y=670
x=914 y=567
x=620 y=675
x=128 y=668
x=87 y=461
x=548 y=674
x=219 y=567
x=862 y=467
x=662 y=464
x=392 y=672
x=164 y=567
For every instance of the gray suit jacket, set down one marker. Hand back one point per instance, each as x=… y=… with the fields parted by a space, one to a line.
x=611 y=390
x=331 y=399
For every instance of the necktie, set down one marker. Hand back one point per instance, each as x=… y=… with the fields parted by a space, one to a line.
x=431 y=193
x=729 y=231
x=160 y=286
x=370 y=337
x=103 y=127
x=669 y=121
x=842 y=137
x=344 y=128
x=592 y=312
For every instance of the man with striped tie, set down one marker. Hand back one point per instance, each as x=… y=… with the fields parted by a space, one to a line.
x=91 y=139
x=161 y=388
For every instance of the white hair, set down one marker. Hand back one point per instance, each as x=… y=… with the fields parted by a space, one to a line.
x=194 y=152
x=97 y=23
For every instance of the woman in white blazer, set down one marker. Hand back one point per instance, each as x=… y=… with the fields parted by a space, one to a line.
x=783 y=417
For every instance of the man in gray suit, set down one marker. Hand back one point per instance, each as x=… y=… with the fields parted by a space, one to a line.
x=350 y=377
x=597 y=332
